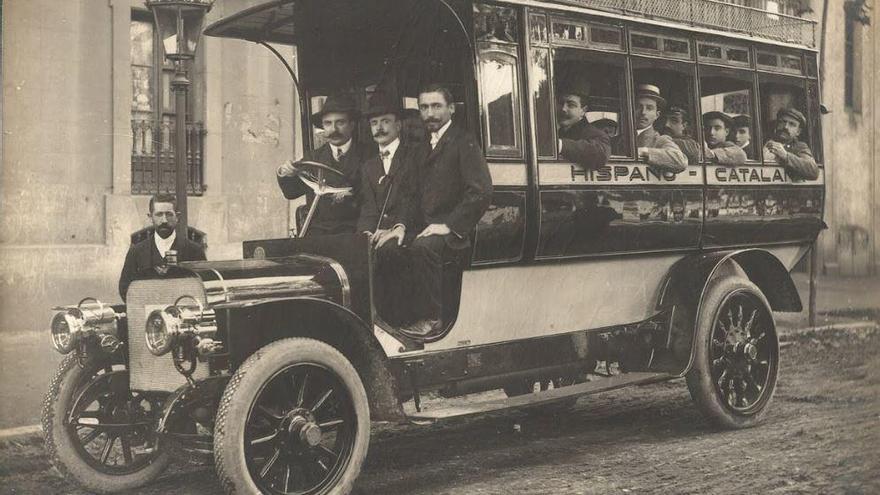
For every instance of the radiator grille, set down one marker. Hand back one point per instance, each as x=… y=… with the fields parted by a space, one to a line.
x=148 y=372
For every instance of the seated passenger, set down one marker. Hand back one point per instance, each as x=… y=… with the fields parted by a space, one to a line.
x=656 y=150
x=787 y=150
x=339 y=214
x=580 y=141
x=677 y=126
x=608 y=126
x=742 y=134
x=716 y=127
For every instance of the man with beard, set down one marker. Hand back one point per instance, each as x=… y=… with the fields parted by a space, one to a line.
x=716 y=127
x=454 y=190
x=658 y=151
x=677 y=126
x=786 y=150
x=339 y=213
x=742 y=134
x=150 y=253
x=579 y=141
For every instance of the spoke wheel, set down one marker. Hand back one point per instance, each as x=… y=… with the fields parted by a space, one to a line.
x=737 y=356
x=97 y=432
x=294 y=420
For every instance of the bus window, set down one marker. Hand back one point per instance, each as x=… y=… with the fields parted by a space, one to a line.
x=814 y=120
x=726 y=100
x=540 y=81
x=677 y=118
x=783 y=99
x=600 y=78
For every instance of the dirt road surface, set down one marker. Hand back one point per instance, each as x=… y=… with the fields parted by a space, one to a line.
x=821 y=436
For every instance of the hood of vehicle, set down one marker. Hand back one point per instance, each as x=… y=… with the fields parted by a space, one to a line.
x=259 y=279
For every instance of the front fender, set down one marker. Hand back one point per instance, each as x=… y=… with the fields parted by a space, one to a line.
x=178 y=413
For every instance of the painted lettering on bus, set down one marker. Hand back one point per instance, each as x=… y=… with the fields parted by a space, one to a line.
x=622 y=173
x=750 y=174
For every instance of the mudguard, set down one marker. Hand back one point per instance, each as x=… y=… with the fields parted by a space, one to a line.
x=177 y=421
x=681 y=295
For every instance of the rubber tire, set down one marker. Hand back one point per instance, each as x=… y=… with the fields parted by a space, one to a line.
x=699 y=378
x=247 y=381
x=59 y=447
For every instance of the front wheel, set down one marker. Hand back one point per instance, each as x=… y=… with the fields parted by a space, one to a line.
x=736 y=358
x=294 y=419
x=97 y=432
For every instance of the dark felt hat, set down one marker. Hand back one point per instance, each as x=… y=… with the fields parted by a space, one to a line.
x=650 y=91
x=605 y=123
x=728 y=122
x=793 y=113
x=741 y=121
x=382 y=104
x=336 y=103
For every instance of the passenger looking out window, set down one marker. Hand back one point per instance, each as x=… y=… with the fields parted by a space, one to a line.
x=716 y=128
x=580 y=141
x=677 y=125
x=785 y=147
x=742 y=134
x=655 y=149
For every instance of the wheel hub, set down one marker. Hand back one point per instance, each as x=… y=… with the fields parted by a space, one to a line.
x=300 y=428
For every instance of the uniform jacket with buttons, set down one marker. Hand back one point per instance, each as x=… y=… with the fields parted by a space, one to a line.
x=144 y=256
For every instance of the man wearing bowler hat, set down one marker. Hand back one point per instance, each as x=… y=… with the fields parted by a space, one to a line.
x=717 y=127
x=655 y=149
x=337 y=214
x=785 y=148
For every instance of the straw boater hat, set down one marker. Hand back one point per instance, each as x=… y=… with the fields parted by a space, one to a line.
x=741 y=121
x=795 y=114
x=335 y=103
x=650 y=91
x=382 y=104
x=728 y=122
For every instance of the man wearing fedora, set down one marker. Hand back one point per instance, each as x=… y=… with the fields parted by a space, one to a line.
x=655 y=149
x=717 y=127
x=339 y=213
x=580 y=141
x=742 y=134
x=785 y=148
x=676 y=125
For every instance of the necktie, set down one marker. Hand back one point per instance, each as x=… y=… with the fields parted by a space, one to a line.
x=435 y=138
x=339 y=154
x=385 y=154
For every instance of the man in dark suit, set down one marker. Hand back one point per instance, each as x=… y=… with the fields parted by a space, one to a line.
x=454 y=190
x=785 y=148
x=579 y=141
x=338 y=213
x=150 y=254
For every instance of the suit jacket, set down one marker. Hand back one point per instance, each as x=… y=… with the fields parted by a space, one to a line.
x=585 y=145
x=331 y=217
x=455 y=187
x=402 y=178
x=728 y=153
x=144 y=256
x=662 y=151
x=800 y=162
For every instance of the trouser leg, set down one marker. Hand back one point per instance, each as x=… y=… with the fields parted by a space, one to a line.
x=426 y=269
x=393 y=276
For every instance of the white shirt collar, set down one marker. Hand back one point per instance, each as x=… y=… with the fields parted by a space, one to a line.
x=640 y=131
x=436 y=136
x=391 y=148
x=164 y=245
x=344 y=148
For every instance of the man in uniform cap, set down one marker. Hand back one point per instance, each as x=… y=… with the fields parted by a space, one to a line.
x=339 y=213
x=785 y=148
x=742 y=133
x=657 y=150
x=716 y=126
x=580 y=141
x=677 y=126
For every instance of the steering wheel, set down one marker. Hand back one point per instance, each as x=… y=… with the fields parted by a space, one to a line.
x=312 y=174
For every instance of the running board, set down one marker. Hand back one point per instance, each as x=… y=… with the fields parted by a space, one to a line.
x=519 y=401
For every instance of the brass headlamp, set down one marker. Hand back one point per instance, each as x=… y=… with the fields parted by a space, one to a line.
x=169 y=327
x=90 y=317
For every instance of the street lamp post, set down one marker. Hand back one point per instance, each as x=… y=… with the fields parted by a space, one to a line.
x=179 y=24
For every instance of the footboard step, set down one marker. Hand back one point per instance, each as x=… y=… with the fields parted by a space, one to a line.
x=520 y=401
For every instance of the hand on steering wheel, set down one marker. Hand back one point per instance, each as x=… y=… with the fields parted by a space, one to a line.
x=313 y=175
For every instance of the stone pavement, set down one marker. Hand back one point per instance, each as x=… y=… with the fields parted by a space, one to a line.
x=27 y=360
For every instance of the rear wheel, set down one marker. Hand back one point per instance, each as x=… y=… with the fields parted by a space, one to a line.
x=97 y=432
x=294 y=419
x=736 y=359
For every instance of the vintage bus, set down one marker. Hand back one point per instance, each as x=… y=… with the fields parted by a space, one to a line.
x=580 y=279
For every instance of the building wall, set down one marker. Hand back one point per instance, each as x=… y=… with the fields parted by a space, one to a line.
x=66 y=208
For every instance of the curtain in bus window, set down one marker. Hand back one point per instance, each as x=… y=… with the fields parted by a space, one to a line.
x=498 y=90
x=779 y=93
x=600 y=77
x=678 y=117
x=728 y=95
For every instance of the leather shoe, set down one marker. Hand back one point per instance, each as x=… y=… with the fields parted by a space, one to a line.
x=423 y=328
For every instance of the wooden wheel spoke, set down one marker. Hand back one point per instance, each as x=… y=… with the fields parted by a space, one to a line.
x=265 y=439
x=91 y=436
x=321 y=400
x=267 y=413
x=286 y=478
x=301 y=393
x=271 y=462
x=126 y=449
x=328 y=451
x=331 y=424
x=108 y=447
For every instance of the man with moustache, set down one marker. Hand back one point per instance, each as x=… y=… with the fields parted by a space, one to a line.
x=655 y=149
x=786 y=150
x=677 y=126
x=716 y=127
x=339 y=213
x=150 y=253
x=579 y=141
x=454 y=190
x=387 y=206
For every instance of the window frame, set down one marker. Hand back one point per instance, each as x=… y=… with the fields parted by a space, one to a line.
x=517 y=151
x=744 y=74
